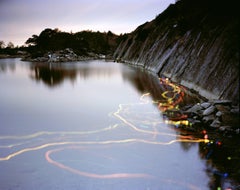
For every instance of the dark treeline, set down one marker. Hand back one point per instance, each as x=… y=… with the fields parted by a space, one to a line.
x=9 y=49
x=81 y=43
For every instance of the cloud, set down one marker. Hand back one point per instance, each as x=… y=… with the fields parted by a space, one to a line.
x=22 y=19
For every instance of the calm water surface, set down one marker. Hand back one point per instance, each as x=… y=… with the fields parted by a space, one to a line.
x=92 y=125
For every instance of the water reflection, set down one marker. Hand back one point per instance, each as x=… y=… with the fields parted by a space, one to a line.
x=55 y=74
x=108 y=129
x=50 y=75
x=222 y=159
x=7 y=64
x=142 y=80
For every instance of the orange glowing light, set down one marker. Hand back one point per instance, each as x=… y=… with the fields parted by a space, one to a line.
x=152 y=133
x=92 y=175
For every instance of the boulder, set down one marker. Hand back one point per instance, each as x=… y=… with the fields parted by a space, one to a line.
x=216 y=123
x=209 y=110
x=225 y=128
x=197 y=109
x=205 y=105
x=208 y=119
x=219 y=114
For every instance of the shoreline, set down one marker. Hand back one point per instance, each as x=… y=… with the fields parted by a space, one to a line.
x=219 y=142
x=5 y=56
x=221 y=118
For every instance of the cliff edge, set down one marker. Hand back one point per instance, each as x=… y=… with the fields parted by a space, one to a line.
x=193 y=42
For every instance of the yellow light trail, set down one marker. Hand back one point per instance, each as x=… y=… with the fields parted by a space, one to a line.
x=155 y=132
x=41 y=133
x=98 y=143
x=171 y=100
x=11 y=145
x=117 y=114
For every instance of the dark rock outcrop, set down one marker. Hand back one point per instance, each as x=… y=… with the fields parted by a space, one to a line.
x=218 y=115
x=66 y=55
x=193 y=42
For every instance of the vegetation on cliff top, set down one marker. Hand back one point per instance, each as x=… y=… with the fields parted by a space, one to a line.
x=81 y=43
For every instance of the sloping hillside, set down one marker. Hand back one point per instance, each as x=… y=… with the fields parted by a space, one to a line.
x=194 y=42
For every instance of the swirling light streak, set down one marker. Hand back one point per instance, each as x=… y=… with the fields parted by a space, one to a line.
x=112 y=175
x=100 y=143
x=128 y=123
x=155 y=132
x=117 y=114
x=11 y=145
x=172 y=99
x=93 y=175
x=171 y=102
x=41 y=133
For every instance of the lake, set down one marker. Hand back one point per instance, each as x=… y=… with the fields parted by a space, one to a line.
x=94 y=125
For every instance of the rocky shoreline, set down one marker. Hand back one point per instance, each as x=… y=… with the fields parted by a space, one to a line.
x=66 y=55
x=5 y=56
x=220 y=116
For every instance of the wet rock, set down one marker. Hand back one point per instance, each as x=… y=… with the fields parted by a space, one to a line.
x=216 y=123
x=196 y=117
x=208 y=119
x=196 y=109
x=219 y=114
x=186 y=107
x=224 y=128
x=205 y=105
x=222 y=102
x=235 y=110
x=62 y=56
x=41 y=59
x=65 y=55
x=209 y=110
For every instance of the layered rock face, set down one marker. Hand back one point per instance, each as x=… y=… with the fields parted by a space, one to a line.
x=193 y=42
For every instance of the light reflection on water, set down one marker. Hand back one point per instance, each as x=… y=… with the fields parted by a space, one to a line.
x=92 y=125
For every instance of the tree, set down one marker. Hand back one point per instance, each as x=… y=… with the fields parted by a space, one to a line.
x=32 y=41
x=80 y=42
x=2 y=45
x=10 y=45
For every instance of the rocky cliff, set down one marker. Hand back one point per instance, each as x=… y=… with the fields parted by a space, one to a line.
x=193 y=42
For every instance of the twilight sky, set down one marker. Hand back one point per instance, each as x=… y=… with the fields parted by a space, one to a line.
x=20 y=19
